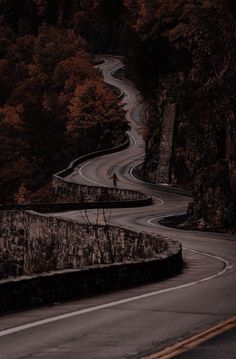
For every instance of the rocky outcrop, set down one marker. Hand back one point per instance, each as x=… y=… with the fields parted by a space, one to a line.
x=166 y=141
x=212 y=207
x=202 y=159
x=187 y=58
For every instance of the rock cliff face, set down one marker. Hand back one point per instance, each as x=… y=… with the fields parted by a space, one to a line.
x=188 y=51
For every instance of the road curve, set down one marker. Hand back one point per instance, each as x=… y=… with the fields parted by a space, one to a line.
x=136 y=322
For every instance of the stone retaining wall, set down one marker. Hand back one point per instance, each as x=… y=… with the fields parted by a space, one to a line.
x=34 y=243
x=75 y=192
x=65 y=285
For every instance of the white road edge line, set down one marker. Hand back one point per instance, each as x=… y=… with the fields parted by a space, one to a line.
x=150 y=220
x=110 y=76
x=160 y=200
x=89 y=162
x=131 y=172
x=227 y=266
x=135 y=143
x=86 y=178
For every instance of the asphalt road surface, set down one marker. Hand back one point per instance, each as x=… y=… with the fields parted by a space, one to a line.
x=142 y=321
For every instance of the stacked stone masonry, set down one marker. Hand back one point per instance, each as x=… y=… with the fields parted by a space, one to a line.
x=34 y=243
x=75 y=192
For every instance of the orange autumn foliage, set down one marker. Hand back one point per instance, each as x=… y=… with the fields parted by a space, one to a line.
x=45 y=82
x=93 y=104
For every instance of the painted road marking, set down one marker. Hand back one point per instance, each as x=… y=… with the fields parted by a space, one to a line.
x=131 y=172
x=127 y=95
x=135 y=143
x=86 y=178
x=150 y=220
x=192 y=342
x=89 y=162
x=110 y=75
x=159 y=199
x=227 y=266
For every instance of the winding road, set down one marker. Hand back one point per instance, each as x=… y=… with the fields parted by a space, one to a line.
x=142 y=321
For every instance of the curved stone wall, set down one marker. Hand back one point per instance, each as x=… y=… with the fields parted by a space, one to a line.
x=33 y=243
x=75 y=260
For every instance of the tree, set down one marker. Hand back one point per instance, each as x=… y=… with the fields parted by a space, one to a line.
x=94 y=106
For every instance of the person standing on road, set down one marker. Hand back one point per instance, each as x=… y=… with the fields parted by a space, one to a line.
x=114 y=179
